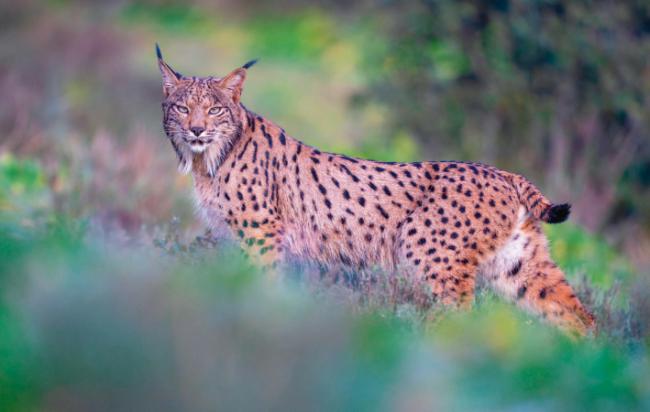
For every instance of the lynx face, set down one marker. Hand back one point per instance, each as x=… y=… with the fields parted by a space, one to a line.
x=201 y=115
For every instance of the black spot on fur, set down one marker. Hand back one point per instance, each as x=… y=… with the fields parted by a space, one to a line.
x=515 y=269
x=521 y=292
x=382 y=211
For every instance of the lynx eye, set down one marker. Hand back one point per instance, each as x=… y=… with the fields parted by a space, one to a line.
x=181 y=109
x=216 y=110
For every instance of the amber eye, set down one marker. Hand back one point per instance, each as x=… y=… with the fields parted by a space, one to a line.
x=181 y=109
x=216 y=110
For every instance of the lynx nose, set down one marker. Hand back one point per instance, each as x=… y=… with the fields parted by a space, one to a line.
x=197 y=130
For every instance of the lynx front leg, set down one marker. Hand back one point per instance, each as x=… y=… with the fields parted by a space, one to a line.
x=262 y=242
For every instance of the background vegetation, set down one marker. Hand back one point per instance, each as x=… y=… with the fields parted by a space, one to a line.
x=113 y=298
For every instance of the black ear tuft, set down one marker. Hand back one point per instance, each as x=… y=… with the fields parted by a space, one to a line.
x=162 y=63
x=249 y=64
x=558 y=213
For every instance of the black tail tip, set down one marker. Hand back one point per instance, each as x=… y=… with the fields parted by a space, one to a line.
x=158 y=53
x=558 y=213
x=249 y=64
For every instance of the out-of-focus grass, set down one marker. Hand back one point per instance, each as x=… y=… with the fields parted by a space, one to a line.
x=94 y=323
x=24 y=194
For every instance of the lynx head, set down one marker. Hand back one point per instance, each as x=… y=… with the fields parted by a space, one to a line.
x=202 y=116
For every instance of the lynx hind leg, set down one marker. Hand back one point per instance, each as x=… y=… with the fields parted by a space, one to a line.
x=524 y=272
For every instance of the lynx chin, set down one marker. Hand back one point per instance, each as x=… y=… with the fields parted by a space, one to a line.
x=446 y=222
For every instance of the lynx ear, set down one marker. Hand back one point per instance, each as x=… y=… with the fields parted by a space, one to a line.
x=234 y=82
x=170 y=77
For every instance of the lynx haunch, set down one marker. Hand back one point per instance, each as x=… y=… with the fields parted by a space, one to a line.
x=447 y=222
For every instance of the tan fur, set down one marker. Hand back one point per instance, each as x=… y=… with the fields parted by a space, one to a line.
x=449 y=222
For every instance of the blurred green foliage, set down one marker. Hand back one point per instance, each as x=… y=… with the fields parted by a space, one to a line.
x=23 y=190
x=174 y=17
x=296 y=38
x=579 y=252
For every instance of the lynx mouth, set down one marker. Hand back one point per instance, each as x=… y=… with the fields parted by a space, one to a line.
x=198 y=145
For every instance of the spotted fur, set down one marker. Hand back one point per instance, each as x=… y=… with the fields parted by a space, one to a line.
x=448 y=222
